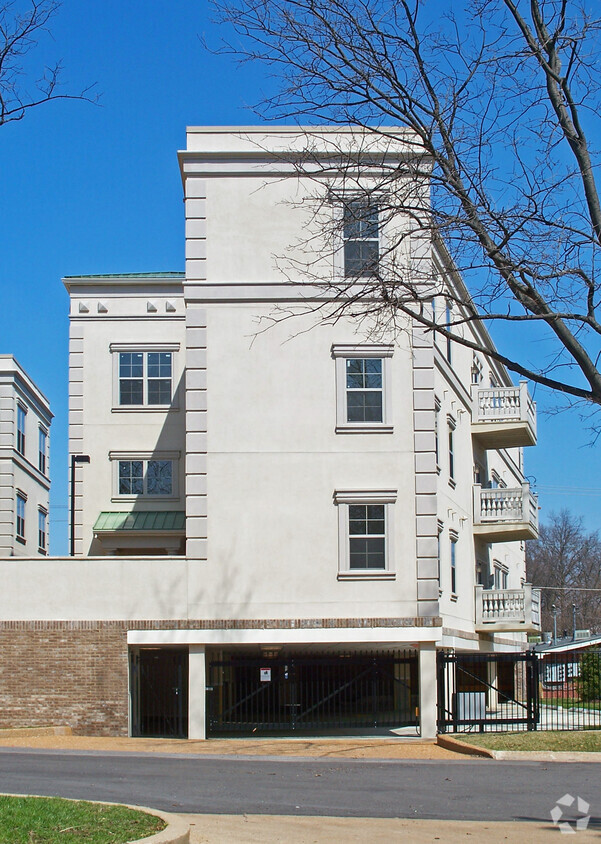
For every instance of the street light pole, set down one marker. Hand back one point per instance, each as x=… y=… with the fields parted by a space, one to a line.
x=75 y=459
x=554 y=614
x=574 y=608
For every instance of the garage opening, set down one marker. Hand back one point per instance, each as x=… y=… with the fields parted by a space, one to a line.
x=312 y=694
x=159 y=692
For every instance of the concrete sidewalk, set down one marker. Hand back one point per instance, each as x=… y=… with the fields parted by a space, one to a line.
x=272 y=829
x=355 y=748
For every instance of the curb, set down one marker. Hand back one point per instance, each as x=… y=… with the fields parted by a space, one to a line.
x=547 y=755
x=463 y=747
x=177 y=830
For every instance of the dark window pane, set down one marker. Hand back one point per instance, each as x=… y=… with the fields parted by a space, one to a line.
x=131 y=391
x=159 y=391
x=375 y=511
x=367 y=554
x=361 y=258
x=131 y=477
x=131 y=364
x=363 y=406
x=158 y=477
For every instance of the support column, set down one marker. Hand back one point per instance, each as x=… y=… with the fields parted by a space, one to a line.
x=493 y=692
x=427 y=691
x=197 y=693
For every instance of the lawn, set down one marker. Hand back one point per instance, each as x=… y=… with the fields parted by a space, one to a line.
x=587 y=740
x=50 y=820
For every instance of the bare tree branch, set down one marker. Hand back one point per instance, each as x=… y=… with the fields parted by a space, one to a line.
x=499 y=100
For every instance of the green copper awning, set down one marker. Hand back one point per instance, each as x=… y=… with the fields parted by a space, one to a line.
x=141 y=520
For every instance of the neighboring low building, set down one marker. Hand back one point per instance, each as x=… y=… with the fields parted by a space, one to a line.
x=25 y=419
x=281 y=521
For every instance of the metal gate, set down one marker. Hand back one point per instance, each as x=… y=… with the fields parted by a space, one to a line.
x=159 y=692
x=487 y=692
x=322 y=693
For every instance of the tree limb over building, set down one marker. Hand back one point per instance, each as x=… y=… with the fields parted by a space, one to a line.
x=497 y=99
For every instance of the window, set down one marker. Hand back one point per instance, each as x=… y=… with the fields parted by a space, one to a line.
x=21 y=499
x=501 y=575
x=42 y=516
x=454 y=539
x=438 y=535
x=448 y=320
x=145 y=378
x=451 y=424
x=42 y=449
x=362 y=388
x=477 y=369
x=365 y=533
x=145 y=477
x=436 y=428
x=361 y=238
x=21 y=414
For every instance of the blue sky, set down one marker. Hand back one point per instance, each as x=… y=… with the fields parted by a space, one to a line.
x=96 y=189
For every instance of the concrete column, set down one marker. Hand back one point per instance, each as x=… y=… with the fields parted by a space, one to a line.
x=493 y=693
x=197 y=693
x=427 y=690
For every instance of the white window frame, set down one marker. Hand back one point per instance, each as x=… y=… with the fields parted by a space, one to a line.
x=367 y=202
x=451 y=450
x=145 y=456
x=20 y=535
x=343 y=499
x=43 y=455
x=341 y=353
x=145 y=348
x=21 y=434
x=43 y=546
x=453 y=540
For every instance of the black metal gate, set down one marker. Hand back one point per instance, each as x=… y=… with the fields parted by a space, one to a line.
x=159 y=692
x=487 y=692
x=322 y=693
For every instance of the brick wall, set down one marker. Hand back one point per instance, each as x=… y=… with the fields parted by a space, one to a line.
x=60 y=673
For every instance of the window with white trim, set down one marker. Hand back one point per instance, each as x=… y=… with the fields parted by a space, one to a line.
x=148 y=475
x=42 y=450
x=448 y=321
x=365 y=533
x=21 y=417
x=145 y=378
x=20 y=532
x=451 y=433
x=501 y=575
x=363 y=388
x=42 y=529
x=453 y=561
x=361 y=238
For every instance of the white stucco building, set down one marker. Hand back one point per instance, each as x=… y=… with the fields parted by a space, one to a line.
x=278 y=504
x=25 y=419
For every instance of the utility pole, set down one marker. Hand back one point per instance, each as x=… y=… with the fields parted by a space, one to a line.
x=554 y=614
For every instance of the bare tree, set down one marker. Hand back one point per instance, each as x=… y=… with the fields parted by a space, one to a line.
x=566 y=561
x=21 y=27
x=497 y=99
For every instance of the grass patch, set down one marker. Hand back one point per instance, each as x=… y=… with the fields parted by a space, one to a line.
x=50 y=820
x=582 y=740
x=570 y=703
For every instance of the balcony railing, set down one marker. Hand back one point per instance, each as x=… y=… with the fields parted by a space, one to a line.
x=504 y=417
x=505 y=514
x=509 y=610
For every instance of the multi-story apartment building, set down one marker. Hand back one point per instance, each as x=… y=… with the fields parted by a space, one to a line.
x=285 y=516
x=25 y=419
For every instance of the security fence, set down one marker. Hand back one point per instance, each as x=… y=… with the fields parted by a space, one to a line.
x=519 y=691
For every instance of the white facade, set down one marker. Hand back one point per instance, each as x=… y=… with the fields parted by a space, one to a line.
x=25 y=419
x=234 y=467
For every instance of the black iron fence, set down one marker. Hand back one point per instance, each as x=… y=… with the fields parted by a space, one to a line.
x=312 y=693
x=570 y=690
x=487 y=692
x=519 y=691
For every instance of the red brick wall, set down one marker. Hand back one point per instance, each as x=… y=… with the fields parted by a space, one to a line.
x=67 y=674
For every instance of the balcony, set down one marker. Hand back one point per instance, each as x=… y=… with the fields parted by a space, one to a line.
x=504 y=514
x=508 y=610
x=503 y=417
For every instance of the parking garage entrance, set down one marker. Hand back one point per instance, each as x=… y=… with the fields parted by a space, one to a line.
x=311 y=693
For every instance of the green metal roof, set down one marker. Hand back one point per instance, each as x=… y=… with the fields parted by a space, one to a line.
x=132 y=275
x=142 y=520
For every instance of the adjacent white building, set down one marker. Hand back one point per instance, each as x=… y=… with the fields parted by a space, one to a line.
x=284 y=517
x=25 y=419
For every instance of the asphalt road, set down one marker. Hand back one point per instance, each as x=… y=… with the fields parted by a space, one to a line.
x=458 y=790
